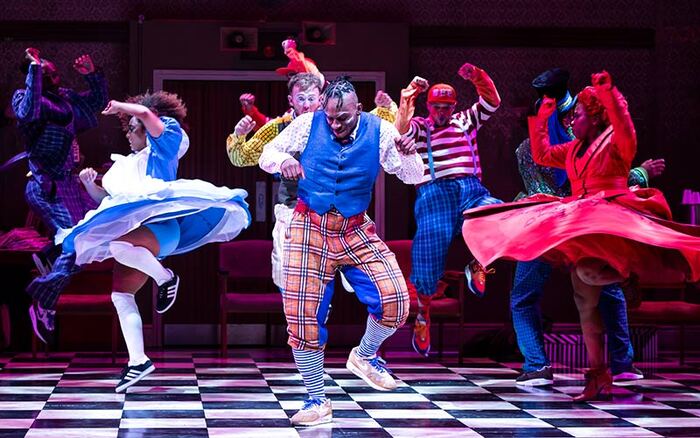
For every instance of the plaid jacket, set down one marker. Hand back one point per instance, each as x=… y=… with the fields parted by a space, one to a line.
x=50 y=121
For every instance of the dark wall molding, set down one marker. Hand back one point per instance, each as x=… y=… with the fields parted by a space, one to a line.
x=80 y=31
x=581 y=37
x=420 y=36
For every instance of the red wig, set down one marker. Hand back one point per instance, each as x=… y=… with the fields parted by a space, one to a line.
x=593 y=106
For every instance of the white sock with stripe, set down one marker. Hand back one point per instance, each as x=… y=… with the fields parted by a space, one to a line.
x=374 y=336
x=140 y=258
x=310 y=365
x=132 y=327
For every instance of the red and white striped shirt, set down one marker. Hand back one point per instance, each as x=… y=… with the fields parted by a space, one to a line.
x=455 y=152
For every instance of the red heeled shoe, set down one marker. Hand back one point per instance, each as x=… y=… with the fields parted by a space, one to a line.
x=598 y=385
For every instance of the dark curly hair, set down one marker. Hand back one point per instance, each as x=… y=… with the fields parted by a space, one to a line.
x=160 y=102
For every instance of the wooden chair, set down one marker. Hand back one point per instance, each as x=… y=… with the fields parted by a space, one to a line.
x=88 y=293
x=245 y=284
x=443 y=309
x=667 y=311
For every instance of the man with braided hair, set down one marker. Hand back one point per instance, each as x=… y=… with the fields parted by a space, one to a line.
x=340 y=152
x=305 y=86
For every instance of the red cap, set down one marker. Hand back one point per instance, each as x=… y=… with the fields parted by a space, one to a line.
x=442 y=93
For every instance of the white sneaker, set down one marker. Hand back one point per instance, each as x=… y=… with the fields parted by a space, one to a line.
x=315 y=411
x=372 y=370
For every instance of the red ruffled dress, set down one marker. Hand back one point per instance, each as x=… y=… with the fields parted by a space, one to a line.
x=631 y=229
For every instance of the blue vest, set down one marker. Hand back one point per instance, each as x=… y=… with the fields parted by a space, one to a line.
x=340 y=176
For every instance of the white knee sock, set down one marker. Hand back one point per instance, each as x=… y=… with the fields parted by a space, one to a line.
x=140 y=258
x=132 y=327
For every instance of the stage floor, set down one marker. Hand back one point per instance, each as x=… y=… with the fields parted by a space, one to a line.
x=254 y=392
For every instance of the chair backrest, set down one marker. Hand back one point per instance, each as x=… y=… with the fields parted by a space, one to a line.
x=246 y=258
x=92 y=279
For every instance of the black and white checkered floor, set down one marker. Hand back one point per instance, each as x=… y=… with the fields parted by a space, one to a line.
x=254 y=392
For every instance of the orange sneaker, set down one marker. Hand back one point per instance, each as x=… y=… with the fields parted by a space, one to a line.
x=421 y=337
x=476 y=278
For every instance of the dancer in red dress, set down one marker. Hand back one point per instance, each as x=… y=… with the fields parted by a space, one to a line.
x=605 y=232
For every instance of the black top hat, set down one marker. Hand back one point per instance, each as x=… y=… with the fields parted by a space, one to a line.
x=552 y=83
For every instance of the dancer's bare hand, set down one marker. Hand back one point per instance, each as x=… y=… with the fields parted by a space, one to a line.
x=549 y=105
x=467 y=71
x=383 y=100
x=244 y=126
x=113 y=107
x=87 y=176
x=405 y=145
x=247 y=100
x=32 y=55
x=291 y=169
x=83 y=65
x=601 y=79
x=654 y=168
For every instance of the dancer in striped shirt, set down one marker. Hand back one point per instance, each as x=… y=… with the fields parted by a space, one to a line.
x=451 y=183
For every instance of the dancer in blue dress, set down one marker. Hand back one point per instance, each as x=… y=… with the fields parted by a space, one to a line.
x=146 y=214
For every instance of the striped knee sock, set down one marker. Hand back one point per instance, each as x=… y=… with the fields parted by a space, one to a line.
x=310 y=365
x=373 y=338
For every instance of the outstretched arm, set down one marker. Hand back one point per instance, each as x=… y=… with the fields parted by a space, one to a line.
x=249 y=109
x=154 y=126
x=407 y=104
x=483 y=83
x=543 y=152
x=624 y=136
x=489 y=100
x=293 y=139
x=27 y=103
x=96 y=96
x=244 y=153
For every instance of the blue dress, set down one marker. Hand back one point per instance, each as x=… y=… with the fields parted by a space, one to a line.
x=142 y=190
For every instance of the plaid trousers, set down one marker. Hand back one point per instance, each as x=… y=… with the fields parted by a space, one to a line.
x=315 y=247
x=438 y=212
x=60 y=204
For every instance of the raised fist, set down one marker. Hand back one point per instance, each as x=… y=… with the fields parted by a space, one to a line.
x=420 y=84
x=244 y=126
x=32 y=55
x=383 y=100
x=87 y=176
x=288 y=44
x=467 y=71
x=83 y=65
x=549 y=105
x=601 y=79
x=247 y=100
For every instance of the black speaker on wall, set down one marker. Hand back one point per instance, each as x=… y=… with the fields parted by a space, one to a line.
x=314 y=32
x=238 y=39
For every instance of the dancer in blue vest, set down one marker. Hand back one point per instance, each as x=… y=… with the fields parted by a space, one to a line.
x=341 y=150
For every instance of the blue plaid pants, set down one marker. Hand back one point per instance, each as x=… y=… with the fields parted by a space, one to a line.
x=60 y=205
x=525 y=297
x=438 y=212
